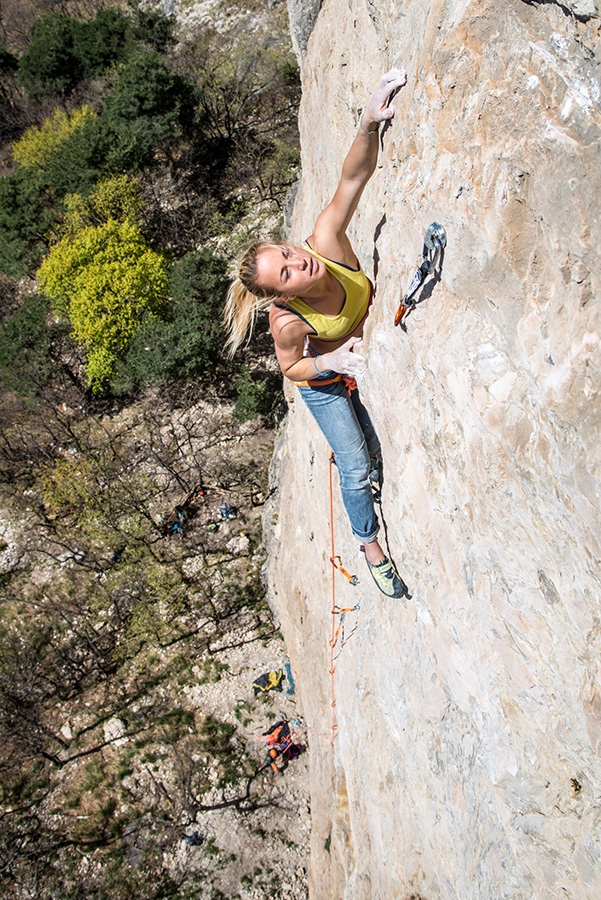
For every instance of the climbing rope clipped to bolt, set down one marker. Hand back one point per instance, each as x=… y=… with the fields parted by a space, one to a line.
x=337 y=626
x=435 y=240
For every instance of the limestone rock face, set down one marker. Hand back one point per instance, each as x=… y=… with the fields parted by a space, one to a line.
x=467 y=756
x=302 y=15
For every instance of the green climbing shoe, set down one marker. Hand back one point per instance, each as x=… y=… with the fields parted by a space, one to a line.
x=387 y=578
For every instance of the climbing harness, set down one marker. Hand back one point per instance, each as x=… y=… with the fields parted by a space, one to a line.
x=435 y=241
x=337 y=611
x=350 y=383
x=318 y=382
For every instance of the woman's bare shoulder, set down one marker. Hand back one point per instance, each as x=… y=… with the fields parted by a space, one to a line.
x=336 y=247
x=285 y=326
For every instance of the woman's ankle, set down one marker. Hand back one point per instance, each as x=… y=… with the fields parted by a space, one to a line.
x=373 y=552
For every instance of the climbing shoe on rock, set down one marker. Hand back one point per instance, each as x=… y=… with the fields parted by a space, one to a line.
x=387 y=578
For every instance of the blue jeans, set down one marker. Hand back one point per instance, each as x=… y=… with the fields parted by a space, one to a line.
x=346 y=426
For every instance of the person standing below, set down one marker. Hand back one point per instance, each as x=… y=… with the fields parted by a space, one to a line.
x=318 y=299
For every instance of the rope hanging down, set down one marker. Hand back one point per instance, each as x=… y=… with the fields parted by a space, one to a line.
x=435 y=241
x=336 y=610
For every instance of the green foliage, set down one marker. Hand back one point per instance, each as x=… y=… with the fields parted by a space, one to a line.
x=25 y=216
x=124 y=594
x=99 y=43
x=146 y=87
x=176 y=723
x=150 y=107
x=64 y=51
x=50 y=63
x=71 y=488
x=80 y=160
x=104 y=280
x=191 y=342
x=252 y=398
x=117 y=197
x=38 y=145
x=153 y=27
x=25 y=345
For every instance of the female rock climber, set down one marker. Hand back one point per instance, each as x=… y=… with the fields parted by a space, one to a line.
x=319 y=298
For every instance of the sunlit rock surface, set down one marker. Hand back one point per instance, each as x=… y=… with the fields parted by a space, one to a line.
x=466 y=762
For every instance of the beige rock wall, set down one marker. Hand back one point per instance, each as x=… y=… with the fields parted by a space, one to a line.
x=467 y=757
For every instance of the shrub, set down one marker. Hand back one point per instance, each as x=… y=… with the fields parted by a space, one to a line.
x=252 y=398
x=25 y=216
x=80 y=160
x=258 y=394
x=150 y=106
x=191 y=341
x=100 y=42
x=154 y=28
x=104 y=280
x=38 y=145
x=117 y=197
x=64 y=51
x=25 y=345
x=50 y=64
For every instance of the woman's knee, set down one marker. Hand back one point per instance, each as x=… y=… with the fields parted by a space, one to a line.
x=354 y=469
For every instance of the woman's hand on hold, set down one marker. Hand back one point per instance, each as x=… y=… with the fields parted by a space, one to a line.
x=378 y=108
x=343 y=360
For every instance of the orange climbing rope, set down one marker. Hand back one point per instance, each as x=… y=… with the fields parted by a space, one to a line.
x=336 y=610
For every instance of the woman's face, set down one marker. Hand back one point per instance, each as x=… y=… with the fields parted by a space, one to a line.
x=291 y=271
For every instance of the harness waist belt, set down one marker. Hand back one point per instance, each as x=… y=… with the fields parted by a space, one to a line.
x=350 y=383
x=315 y=382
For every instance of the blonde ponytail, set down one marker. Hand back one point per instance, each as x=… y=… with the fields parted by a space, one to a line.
x=245 y=298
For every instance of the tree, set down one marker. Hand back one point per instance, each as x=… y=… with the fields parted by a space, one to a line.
x=100 y=42
x=50 y=65
x=105 y=280
x=152 y=27
x=150 y=107
x=80 y=160
x=64 y=51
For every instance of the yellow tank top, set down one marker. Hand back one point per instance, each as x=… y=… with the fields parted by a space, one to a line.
x=358 y=291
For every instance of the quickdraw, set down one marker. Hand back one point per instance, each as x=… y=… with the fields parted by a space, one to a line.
x=435 y=241
x=338 y=565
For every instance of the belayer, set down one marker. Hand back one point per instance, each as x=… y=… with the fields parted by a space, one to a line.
x=319 y=298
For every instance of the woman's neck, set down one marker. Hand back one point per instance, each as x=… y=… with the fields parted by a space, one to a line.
x=327 y=288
